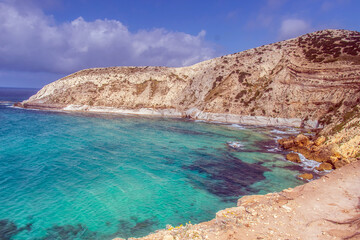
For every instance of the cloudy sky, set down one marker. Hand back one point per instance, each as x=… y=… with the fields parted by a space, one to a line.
x=43 y=40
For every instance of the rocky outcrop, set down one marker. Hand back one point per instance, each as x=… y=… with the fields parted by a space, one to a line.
x=315 y=148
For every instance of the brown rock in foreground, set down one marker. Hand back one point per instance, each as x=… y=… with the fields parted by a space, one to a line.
x=324 y=167
x=293 y=157
x=328 y=153
x=306 y=176
x=327 y=208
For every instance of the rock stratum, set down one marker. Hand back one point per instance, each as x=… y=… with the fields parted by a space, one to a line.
x=312 y=82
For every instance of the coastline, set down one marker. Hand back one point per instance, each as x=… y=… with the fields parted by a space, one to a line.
x=192 y=113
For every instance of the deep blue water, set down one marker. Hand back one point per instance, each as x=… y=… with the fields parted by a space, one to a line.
x=88 y=176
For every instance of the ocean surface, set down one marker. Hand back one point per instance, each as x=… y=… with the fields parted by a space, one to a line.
x=89 y=176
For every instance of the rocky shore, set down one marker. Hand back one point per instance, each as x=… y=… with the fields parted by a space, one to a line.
x=330 y=155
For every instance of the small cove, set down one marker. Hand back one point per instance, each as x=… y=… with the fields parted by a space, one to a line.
x=89 y=176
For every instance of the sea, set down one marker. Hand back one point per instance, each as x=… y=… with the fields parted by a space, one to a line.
x=100 y=176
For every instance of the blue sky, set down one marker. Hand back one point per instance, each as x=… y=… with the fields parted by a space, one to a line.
x=43 y=40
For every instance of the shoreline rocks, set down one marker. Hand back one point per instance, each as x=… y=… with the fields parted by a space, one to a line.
x=293 y=157
x=306 y=176
x=317 y=149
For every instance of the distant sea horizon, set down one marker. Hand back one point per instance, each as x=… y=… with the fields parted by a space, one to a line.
x=16 y=93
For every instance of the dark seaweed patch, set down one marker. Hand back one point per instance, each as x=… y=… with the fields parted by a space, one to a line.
x=133 y=228
x=70 y=232
x=8 y=229
x=187 y=131
x=227 y=176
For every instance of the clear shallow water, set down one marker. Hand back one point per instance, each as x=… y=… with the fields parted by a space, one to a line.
x=84 y=176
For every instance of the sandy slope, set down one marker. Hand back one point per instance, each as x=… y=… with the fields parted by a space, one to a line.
x=327 y=208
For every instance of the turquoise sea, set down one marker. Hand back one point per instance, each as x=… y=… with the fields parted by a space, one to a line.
x=89 y=176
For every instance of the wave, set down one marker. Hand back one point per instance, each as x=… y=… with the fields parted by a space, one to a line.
x=286 y=131
x=235 y=144
x=238 y=126
x=308 y=164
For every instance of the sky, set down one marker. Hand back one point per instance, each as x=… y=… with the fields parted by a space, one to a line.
x=44 y=40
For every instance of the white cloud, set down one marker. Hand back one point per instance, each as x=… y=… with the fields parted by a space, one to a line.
x=293 y=28
x=31 y=41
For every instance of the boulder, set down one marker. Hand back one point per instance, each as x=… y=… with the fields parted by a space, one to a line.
x=286 y=143
x=293 y=157
x=306 y=176
x=324 y=166
x=301 y=140
x=323 y=155
x=304 y=151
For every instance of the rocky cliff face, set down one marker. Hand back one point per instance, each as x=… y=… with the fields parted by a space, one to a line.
x=314 y=78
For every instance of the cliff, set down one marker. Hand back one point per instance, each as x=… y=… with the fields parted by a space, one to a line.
x=311 y=81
